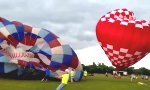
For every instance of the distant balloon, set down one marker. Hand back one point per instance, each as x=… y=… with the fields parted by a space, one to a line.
x=124 y=39
x=24 y=45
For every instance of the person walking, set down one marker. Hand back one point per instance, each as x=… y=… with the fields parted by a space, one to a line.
x=85 y=74
x=64 y=80
x=72 y=75
x=132 y=77
x=106 y=74
x=47 y=74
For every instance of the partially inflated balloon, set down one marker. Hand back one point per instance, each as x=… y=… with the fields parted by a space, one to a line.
x=25 y=45
x=124 y=39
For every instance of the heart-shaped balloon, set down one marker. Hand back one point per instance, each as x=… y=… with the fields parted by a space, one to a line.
x=124 y=39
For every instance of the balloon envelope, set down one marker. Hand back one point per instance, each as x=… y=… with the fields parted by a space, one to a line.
x=124 y=39
x=28 y=46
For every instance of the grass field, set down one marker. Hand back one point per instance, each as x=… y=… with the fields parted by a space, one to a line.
x=97 y=82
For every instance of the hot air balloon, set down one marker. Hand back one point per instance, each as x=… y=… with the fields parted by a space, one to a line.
x=25 y=46
x=124 y=39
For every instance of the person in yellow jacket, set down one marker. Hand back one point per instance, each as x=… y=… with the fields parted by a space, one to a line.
x=72 y=75
x=85 y=74
x=64 y=79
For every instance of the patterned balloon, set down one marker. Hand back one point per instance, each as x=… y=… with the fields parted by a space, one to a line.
x=124 y=39
x=23 y=45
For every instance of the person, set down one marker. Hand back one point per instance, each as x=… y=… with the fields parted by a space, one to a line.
x=115 y=75
x=72 y=75
x=106 y=74
x=118 y=76
x=64 y=79
x=132 y=77
x=47 y=74
x=85 y=74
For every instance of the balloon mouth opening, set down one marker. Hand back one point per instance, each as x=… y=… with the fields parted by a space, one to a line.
x=120 y=68
x=16 y=53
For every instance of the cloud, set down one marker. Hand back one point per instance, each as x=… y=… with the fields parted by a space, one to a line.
x=92 y=54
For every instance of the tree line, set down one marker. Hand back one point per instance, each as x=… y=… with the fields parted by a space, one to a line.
x=102 y=68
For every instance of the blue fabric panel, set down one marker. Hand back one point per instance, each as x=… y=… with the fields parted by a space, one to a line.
x=67 y=50
x=1 y=40
x=73 y=53
x=53 y=74
x=35 y=49
x=67 y=59
x=1 y=25
x=1 y=55
x=34 y=36
x=11 y=28
x=55 y=65
x=16 y=36
x=6 y=22
x=53 y=34
x=49 y=38
x=46 y=49
x=20 y=71
x=4 y=59
x=9 y=67
x=78 y=75
x=1 y=67
x=43 y=33
x=20 y=30
x=30 y=65
x=44 y=53
x=57 y=58
x=47 y=72
x=81 y=75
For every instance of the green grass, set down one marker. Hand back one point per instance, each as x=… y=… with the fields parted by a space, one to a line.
x=97 y=82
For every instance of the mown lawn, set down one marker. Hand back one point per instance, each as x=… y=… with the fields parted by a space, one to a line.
x=97 y=82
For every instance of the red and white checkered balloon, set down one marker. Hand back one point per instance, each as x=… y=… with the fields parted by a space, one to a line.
x=124 y=39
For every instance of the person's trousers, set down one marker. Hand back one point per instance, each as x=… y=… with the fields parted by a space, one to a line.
x=72 y=79
x=61 y=86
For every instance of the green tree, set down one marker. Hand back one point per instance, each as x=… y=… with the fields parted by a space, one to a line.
x=130 y=70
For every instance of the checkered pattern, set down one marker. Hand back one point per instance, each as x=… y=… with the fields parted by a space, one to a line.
x=122 y=57
x=124 y=17
x=124 y=39
x=48 y=49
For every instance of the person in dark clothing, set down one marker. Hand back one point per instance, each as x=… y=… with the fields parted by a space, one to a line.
x=47 y=74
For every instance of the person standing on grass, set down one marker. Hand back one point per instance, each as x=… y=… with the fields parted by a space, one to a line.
x=106 y=74
x=132 y=77
x=72 y=75
x=64 y=79
x=85 y=74
x=47 y=74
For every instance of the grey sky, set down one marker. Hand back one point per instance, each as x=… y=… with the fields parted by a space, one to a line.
x=72 y=20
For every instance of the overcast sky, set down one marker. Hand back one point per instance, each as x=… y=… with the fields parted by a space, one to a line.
x=73 y=20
